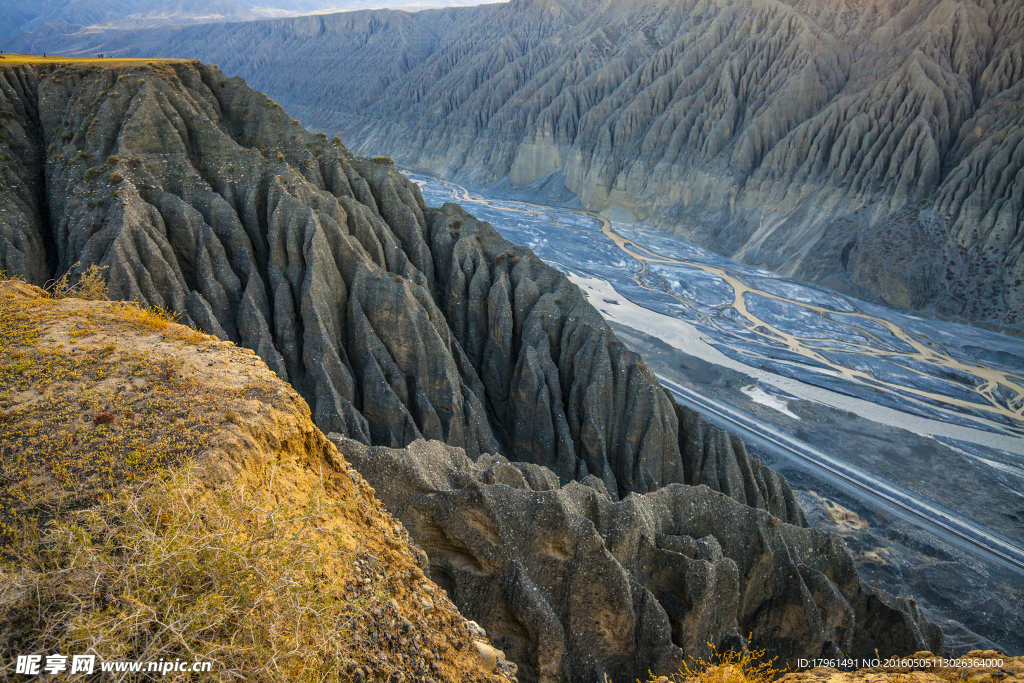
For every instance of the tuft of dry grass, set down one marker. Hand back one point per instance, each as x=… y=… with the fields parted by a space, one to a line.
x=147 y=318
x=158 y=572
x=90 y=285
x=747 y=666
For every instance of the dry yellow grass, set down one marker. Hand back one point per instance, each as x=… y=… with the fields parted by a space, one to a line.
x=748 y=666
x=156 y=573
x=165 y=496
x=81 y=413
x=15 y=59
x=89 y=285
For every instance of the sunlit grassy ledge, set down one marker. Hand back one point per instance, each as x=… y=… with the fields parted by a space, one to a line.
x=14 y=59
x=163 y=495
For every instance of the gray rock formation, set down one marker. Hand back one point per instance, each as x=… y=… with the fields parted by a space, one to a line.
x=872 y=146
x=396 y=321
x=574 y=586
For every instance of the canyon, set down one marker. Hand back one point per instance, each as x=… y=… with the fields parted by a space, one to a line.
x=871 y=146
x=400 y=323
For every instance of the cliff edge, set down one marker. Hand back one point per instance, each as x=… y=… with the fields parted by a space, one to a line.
x=164 y=495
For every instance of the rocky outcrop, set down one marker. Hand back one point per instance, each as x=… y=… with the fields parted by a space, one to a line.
x=874 y=147
x=396 y=321
x=574 y=585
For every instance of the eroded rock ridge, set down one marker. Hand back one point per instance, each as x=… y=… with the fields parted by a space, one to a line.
x=575 y=586
x=876 y=147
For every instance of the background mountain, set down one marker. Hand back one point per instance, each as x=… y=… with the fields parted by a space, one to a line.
x=875 y=146
x=78 y=14
x=75 y=16
x=398 y=322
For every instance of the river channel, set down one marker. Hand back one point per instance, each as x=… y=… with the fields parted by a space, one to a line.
x=933 y=407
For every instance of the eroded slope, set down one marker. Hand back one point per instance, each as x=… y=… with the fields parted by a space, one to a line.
x=577 y=587
x=873 y=146
x=396 y=321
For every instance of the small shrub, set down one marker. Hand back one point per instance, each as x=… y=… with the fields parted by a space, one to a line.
x=92 y=172
x=115 y=178
x=90 y=285
x=748 y=666
x=280 y=156
x=102 y=418
x=148 y=318
x=113 y=160
x=167 y=370
x=383 y=160
x=81 y=155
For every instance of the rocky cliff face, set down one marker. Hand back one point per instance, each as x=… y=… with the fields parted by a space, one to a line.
x=575 y=586
x=394 y=320
x=872 y=146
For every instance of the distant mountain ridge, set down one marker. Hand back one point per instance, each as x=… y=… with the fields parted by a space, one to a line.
x=875 y=147
x=31 y=16
x=71 y=17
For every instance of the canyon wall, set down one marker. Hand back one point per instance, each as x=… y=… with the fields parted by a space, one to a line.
x=874 y=146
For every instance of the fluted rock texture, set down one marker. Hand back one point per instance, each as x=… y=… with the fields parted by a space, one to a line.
x=574 y=586
x=875 y=146
x=396 y=321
